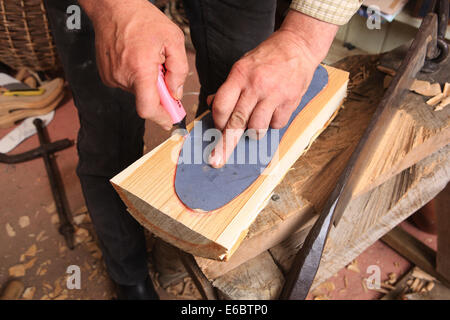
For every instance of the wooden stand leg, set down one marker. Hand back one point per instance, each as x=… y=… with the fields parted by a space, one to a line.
x=443 y=219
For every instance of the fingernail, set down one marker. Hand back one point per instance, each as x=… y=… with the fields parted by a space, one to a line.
x=214 y=160
x=180 y=92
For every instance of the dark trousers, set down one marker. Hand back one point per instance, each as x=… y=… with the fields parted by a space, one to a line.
x=111 y=133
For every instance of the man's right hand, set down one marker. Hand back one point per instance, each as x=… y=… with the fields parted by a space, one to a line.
x=132 y=39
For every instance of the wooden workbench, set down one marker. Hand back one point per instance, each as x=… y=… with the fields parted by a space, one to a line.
x=408 y=169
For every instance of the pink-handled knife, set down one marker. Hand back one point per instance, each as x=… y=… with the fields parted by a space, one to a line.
x=173 y=107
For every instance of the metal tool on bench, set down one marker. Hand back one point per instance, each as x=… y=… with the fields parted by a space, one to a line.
x=46 y=150
x=426 y=52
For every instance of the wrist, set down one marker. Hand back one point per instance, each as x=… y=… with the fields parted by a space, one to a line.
x=309 y=33
x=96 y=9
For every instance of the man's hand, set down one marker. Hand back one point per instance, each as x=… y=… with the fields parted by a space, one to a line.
x=266 y=85
x=132 y=39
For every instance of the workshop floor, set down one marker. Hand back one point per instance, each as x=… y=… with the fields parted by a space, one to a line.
x=32 y=250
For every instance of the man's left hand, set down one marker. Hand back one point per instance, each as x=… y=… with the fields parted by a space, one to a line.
x=267 y=84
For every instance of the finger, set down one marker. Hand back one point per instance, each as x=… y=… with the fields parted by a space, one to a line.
x=260 y=119
x=148 y=103
x=235 y=127
x=225 y=147
x=224 y=103
x=281 y=116
x=177 y=68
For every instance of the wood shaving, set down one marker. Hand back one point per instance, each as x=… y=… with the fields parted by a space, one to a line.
x=17 y=271
x=30 y=264
x=425 y=88
x=445 y=102
x=10 y=230
x=353 y=266
x=364 y=285
x=446 y=90
x=392 y=278
x=54 y=219
x=80 y=219
x=31 y=251
x=321 y=297
x=386 y=70
x=435 y=100
x=28 y=294
x=418 y=273
x=328 y=286
x=50 y=208
x=82 y=235
x=430 y=285
x=24 y=221
x=40 y=235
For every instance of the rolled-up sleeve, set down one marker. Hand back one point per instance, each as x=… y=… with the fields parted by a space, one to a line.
x=333 y=11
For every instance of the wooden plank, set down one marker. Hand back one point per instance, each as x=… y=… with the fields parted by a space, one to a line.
x=375 y=213
x=218 y=233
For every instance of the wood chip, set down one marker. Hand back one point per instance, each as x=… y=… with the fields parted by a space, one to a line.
x=321 y=297
x=419 y=273
x=425 y=88
x=17 y=271
x=392 y=278
x=10 y=230
x=386 y=70
x=328 y=286
x=58 y=288
x=430 y=286
x=80 y=219
x=24 y=221
x=364 y=285
x=435 y=100
x=31 y=251
x=40 y=235
x=54 y=219
x=381 y=290
x=415 y=284
x=81 y=235
x=445 y=102
x=29 y=292
x=50 y=208
x=42 y=272
x=30 y=264
x=353 y=266
x=345 y=282
x=387 y=286
x=446 y=90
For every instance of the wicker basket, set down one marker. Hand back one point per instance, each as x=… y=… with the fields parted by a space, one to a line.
x=25 y=37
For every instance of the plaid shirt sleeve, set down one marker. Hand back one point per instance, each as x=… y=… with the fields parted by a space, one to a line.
x=333 y=11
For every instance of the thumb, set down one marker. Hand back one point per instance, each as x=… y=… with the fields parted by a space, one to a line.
x=148 y=104
x=177 y=68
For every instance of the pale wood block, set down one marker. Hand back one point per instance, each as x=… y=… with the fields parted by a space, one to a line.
x=147 y=186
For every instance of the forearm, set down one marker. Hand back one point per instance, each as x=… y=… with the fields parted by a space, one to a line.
x=312 y=33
